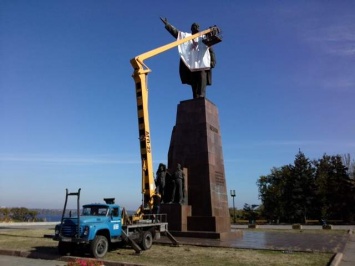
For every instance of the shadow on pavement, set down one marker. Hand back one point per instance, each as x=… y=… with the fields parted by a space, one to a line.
x=47 y=253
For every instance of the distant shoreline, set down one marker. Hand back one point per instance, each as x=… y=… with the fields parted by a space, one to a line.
x=10 y=224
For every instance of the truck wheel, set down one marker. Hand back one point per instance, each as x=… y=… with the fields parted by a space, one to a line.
x=64 y=248
x=99 y=247
x=147 y=240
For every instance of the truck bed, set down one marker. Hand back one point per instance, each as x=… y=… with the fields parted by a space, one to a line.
x=160 y=226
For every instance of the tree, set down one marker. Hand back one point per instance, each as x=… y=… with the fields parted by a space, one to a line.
x=324 y=186
x=4 y=214
x=272 y=193
x=318 y=189
x=344 y=189
x=349 y=164
x=335 y=189
x=289 y=191
x=22 y=214
x=302 y=193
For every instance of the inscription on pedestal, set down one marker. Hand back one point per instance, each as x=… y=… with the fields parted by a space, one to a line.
x=220 y=179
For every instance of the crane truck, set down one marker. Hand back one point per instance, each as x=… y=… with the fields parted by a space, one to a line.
x=100 y=225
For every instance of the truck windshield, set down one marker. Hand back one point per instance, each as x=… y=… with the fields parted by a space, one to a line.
x=95 y=210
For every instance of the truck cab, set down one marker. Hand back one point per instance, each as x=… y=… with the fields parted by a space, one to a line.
x=108 y=214
x=98 y=225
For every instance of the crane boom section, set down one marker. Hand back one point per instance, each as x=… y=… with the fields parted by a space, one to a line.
x=140 y=78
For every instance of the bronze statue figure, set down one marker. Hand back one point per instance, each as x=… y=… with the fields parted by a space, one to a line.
x=197 y=79
x=178 y=180
x=161 y=180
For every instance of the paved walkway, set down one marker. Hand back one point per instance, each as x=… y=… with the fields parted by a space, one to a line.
x=289 y=241
x=345 y=255
x=348 y=258
x=282 y=240
x=19 y=261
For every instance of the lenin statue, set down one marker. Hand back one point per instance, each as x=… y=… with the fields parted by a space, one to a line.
x=198 y=78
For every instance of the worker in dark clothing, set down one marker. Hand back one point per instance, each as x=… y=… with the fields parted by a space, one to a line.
x=156 y=207
x=198 y=79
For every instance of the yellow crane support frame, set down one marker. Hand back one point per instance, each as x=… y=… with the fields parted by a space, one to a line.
x=140 y=78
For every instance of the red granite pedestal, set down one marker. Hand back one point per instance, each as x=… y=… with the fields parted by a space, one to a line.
x=196 y=144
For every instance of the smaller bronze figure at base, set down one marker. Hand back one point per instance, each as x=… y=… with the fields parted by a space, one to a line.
x=178 y=179
x=160 y=181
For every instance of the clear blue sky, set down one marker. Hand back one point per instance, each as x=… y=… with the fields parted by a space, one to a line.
x=284 y=81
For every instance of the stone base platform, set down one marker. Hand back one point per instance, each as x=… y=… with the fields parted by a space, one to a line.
x=209 y=235
x=182 y=224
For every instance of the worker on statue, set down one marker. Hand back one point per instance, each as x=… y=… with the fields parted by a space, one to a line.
x=160 y=181
x=156 y=198
x=196 y=60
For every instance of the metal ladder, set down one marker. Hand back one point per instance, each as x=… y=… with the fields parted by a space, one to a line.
x=67 y=194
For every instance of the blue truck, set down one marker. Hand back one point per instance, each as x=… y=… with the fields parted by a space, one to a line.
x=100 y=226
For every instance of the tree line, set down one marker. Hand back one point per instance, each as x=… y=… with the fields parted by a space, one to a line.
x=322 y=189
x=19 y=214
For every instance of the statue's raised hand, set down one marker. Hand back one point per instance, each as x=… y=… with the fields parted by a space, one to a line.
x=164 y=20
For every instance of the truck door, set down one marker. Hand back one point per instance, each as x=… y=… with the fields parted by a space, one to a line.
x=115 y=223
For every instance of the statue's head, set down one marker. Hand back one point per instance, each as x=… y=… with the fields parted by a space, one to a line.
x=162 y=167
x=195 y=28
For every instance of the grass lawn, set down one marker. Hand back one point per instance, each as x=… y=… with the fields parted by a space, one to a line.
x=32 y=240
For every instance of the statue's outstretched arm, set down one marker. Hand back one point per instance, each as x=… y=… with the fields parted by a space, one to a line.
x=170 y=28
